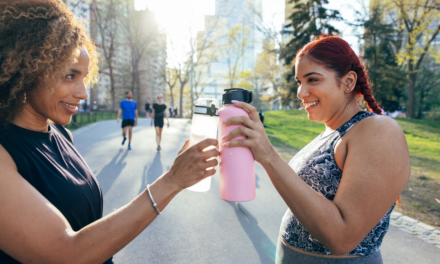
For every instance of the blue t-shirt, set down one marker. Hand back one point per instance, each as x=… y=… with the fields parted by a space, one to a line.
x=128 y=108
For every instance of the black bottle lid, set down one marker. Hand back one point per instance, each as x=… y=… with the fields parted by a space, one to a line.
x=237 y=94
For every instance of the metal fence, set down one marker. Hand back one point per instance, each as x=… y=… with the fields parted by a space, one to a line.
x=83 y=118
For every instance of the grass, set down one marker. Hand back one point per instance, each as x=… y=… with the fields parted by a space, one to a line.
x=290 y=130
x=83 y=118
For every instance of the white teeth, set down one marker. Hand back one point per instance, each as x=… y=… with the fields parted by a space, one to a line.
x=70 y=106
x=310 y=104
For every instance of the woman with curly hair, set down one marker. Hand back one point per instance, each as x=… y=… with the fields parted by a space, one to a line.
x=51 y=203
x=341 y=188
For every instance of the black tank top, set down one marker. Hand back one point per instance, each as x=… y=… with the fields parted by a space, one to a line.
x=50 y=163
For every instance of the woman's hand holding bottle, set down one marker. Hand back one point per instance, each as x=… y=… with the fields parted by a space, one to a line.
x=191 y=164
x=252 y=128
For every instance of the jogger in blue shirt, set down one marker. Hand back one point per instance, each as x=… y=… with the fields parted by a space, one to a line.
x=129 y=111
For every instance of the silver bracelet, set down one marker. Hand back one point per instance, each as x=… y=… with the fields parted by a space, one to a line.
x=152 y=200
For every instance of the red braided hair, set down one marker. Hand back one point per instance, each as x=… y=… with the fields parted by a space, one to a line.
x=335 y=54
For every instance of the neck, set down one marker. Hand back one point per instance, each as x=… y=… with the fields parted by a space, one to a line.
x=28 y=118
x=342 y=115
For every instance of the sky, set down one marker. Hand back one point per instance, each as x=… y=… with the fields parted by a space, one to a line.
x=178 y=16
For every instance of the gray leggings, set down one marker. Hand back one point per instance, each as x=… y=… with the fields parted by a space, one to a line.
x=286 y=255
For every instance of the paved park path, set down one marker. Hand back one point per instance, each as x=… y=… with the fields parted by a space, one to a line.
x=200 y=227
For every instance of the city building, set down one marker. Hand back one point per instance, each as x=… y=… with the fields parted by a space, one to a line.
x=143 y=54
x=238 y=42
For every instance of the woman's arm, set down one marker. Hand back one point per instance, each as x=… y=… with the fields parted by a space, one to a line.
x=166 y=115
x=152 y=116
x=376 y=170
x=119 y=114
x=34 y=231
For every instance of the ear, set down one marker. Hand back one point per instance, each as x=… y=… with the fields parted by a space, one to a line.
x=348 y=82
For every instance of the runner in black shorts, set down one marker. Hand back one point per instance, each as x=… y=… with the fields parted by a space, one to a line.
x=159 y=112
x=128 y=109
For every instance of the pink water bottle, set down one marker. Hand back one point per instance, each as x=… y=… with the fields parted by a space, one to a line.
x=237 y=165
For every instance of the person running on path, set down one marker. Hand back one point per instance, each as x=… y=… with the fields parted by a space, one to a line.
x=129 y=111
x=147 y=109
x=159 y=112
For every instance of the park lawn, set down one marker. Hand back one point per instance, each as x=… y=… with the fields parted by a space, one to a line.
x=290 y=130
x=83 y=118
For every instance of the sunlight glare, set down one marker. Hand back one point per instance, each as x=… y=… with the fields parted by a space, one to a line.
x=179 y=14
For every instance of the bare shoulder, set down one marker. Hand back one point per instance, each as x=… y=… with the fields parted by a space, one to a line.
x=30 y=226
x=6 y=160
x=380 y=140
x=378 y=128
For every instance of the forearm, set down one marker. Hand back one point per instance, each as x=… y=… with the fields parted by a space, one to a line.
x=119 y=113
x=102 y=239
x=318 y=215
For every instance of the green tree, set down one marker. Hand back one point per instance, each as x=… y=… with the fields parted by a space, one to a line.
x=105 y=21
x=380 y=43
x=428 y=87
x=309 y=19
x=238 y=41
x=421 y=22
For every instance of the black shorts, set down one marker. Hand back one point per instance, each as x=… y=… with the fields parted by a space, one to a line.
x=158 y=122
x=127 y=122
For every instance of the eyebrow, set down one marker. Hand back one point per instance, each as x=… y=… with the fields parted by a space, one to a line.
x=77 y=72
x=310 y=73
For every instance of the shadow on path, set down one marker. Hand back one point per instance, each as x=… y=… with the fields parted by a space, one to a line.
x=154 y=172
x=111 y=171
x=257 y=179
x=262 y=243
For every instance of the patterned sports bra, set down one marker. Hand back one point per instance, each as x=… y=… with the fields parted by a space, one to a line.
x=315 y=164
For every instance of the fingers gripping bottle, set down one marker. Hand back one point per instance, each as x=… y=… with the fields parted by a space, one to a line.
x=237 y=165
x=204 y=125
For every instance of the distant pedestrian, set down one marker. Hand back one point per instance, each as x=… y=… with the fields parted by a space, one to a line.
x=129 y=111
x=175 y=112
x=261 y=115
x=171 y=110
x=147 y=109
x=159 y=112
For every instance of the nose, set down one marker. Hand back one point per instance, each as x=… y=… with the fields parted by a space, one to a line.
x=81 y=91
x=302 y=92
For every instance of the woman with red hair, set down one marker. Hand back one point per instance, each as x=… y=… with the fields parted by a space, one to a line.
x=341 y=188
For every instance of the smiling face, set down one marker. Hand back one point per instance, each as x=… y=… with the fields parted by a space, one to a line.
x=60 y=104
x=322 y=94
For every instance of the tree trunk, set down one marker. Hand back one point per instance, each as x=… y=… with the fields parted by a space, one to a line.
x=420 y=112
x=412 y=76
x=181 y=100
x=172 y=96
x=112 y=87
x=138 y=84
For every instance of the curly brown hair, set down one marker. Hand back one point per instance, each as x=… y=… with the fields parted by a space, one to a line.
x=39 y=40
